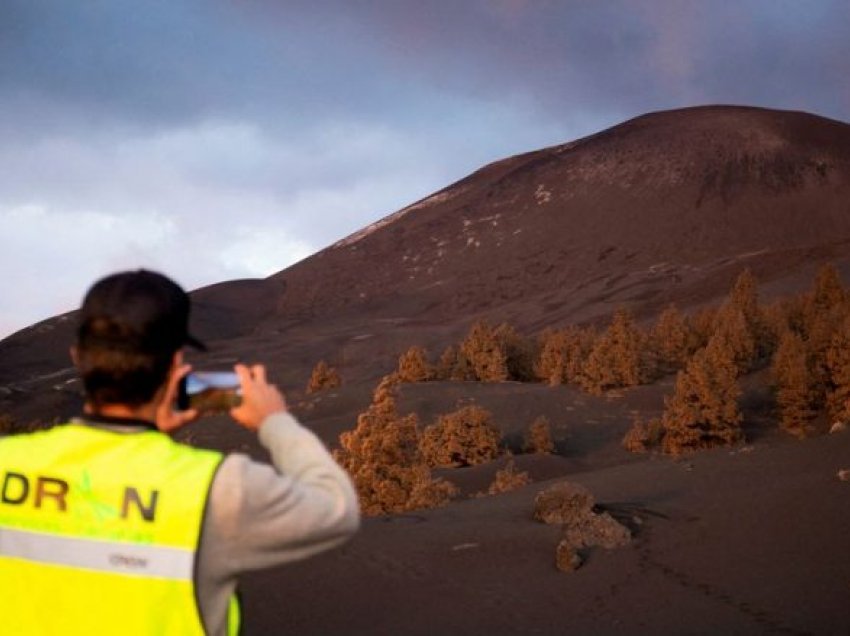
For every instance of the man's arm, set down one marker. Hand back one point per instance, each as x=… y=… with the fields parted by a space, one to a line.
x=262 y=515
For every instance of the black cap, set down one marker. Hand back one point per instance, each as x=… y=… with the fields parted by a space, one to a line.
x=139 y=311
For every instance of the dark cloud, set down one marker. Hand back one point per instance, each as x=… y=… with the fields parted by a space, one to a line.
x=221 y=138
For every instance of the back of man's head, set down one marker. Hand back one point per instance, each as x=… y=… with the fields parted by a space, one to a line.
x=130 y=326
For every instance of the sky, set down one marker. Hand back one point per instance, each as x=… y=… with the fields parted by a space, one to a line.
x=215 y=140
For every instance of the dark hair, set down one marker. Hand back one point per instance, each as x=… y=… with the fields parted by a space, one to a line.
x=130 y=326
x=113 y=376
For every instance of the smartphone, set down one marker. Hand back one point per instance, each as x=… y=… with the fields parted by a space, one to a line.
x=209 y=391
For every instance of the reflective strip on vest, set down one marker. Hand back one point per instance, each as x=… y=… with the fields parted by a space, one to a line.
x=124 y=558
x=99 y=532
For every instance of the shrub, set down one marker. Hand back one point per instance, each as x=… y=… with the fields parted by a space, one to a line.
x=643 y=435
x=703 y=411
x=413 y=366
x=539 y=437
x=520 y=353
x=618 y=358
x=453 y=365
x=508 y=479
x=486 y=353
x=572 y=506
x=837 y=361
x=382 y=456
x=323 y=377
x=562 y=354
x=793 y=381
x=672 y=340
x=464 y=437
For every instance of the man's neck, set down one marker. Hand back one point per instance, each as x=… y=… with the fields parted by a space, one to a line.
x=146 y=412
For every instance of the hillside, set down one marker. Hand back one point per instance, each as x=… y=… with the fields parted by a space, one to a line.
x=667 y=207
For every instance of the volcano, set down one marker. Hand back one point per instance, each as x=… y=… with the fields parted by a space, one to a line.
x=668 y=207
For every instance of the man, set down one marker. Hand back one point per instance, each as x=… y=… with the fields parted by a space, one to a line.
x=107 y=526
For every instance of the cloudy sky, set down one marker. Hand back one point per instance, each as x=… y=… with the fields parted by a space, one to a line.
x=221 y=139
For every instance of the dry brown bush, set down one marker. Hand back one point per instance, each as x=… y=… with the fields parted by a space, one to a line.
x=520 y=353
x=562 y=354
x=508 y=479
x=794 y=385
x=619 y=357
x=539 y=437
x=567 y=558
x=453 y=365
x=643 y=436
x=464 y=437
x=323 y=377
x=413 y=366
x=383 y=458
x=486 y=353
x=703 y=410
x=562 y=502
x=572 y=506
x=672 y=340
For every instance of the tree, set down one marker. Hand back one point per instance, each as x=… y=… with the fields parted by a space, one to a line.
x=744 y=297
x=793 y=383
x=703 y=411
x=562 y=354
x=643 y=435
x=486 y=353
x=464 y=437
x=731 y=329
x=323 y=377
x=519 y=353
x=837 y=359
x=672 y=340
x=539 y=437
x=413 y=366
x=453 y=365
x=828 y=291
x=617 y=358
x=383 y=458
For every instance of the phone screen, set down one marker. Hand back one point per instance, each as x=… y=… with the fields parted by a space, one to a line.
x=210 y=391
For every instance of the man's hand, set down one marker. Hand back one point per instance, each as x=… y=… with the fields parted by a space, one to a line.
x=167 y=419
x=259 y=398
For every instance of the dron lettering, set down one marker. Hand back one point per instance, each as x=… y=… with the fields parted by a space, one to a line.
x=53 y=493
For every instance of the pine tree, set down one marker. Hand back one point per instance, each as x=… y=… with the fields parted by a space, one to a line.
x=793 y=383
x=562 y=354
x=539 y=437
x=453 y=365
x=837 y=360
x=672 y=340
x=703 y=411
x=828 y=291
x=618 y=357
x=731 y=328
x=744 y=297
x=486 y=353
x=383 y=458
x=519 y=352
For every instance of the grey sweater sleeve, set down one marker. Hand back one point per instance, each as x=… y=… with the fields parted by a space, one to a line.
x=261 y=515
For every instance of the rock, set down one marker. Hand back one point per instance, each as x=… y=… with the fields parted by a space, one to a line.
x=844 y=474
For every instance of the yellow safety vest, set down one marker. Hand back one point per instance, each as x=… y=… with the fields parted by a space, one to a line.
x=99 y=532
